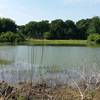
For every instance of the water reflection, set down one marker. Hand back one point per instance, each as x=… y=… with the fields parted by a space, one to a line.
x=56 y=65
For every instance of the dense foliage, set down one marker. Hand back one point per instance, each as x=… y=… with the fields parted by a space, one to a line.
x=7 y=24
x=56 y=29
x=59 y=29
x=9 y=31
x=11 y=37
x=94 y=38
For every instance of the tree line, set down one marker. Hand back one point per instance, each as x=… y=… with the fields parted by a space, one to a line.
x=56 y=29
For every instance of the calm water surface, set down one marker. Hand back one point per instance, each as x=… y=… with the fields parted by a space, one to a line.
x=48 y=62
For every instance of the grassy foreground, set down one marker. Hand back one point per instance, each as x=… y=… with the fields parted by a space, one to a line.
x=55 y=42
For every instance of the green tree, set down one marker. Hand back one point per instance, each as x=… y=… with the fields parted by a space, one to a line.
x=94 y=38
x=57 y=29
x=7 y=24
x=82 y=26
x=36 y=29
x=42 y=27
x=71 y=31
x=94 y=26
x=10 y=37
x=46 y=35
x=21 y=29
x=31 y=29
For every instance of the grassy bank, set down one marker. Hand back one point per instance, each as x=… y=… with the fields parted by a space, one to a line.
x=38 y=42
x=55 y=42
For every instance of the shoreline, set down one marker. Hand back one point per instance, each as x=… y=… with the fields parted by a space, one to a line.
x=38 y=42
x=55 y=42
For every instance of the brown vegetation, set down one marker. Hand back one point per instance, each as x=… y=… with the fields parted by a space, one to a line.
x=27 y=91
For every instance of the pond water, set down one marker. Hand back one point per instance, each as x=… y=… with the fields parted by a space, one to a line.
x=48 y=63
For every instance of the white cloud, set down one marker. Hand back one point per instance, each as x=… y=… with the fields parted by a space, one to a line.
x=80 y=1
x=22 y=12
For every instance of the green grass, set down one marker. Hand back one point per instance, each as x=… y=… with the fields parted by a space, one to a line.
x=54 y=69
x=5 y=62
x=55 y=42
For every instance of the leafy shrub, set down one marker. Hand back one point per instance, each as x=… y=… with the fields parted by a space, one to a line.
x=98 y=41
x=46 y=35
x=94 y=38
x=10 y=37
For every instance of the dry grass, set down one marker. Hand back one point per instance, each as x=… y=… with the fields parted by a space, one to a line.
x=27 y=91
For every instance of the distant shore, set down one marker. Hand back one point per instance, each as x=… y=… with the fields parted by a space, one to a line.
x=54 y=42
x=41 y=42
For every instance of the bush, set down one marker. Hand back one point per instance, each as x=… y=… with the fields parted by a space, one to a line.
x=98 y=41
x=46 y=35
x=94 y=38
x=10 y=37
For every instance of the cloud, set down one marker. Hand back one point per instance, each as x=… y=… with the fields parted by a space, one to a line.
x=80 y=1
x=23 y=11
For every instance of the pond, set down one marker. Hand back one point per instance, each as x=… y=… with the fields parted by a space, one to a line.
x=56 y=63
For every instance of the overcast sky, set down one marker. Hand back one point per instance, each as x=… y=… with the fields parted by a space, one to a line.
x=23 y=11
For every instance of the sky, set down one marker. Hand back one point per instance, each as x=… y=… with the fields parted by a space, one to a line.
x=23 y=11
